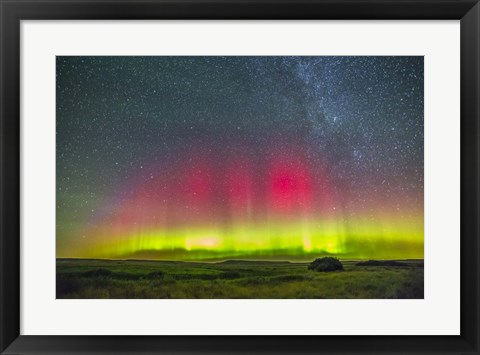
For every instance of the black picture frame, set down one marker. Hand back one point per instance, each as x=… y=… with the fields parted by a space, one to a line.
x=13 y=11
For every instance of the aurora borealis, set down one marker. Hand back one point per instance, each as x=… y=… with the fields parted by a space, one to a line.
x=198 y=158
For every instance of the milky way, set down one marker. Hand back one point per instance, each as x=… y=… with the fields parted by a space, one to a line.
x=249 y=157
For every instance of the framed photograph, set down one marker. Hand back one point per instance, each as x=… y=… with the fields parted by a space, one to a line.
x=239 y=177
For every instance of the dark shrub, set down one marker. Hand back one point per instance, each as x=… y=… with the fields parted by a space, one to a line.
x=325 y=264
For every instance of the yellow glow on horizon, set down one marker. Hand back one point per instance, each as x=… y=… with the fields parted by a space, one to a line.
x=394 y=238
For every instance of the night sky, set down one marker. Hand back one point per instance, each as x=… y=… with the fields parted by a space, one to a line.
x=190 y=158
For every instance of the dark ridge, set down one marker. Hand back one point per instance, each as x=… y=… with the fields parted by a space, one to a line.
x=249 y=262
x=156 y=261
x=381 y=263
x=129 y=260
x=189 y=262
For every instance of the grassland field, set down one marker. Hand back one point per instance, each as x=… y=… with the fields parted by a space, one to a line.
x=126 y=279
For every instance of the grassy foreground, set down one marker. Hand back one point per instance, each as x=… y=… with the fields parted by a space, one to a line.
x=81 y=278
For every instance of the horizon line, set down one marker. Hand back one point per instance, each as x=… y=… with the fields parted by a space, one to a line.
x=230 y=259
